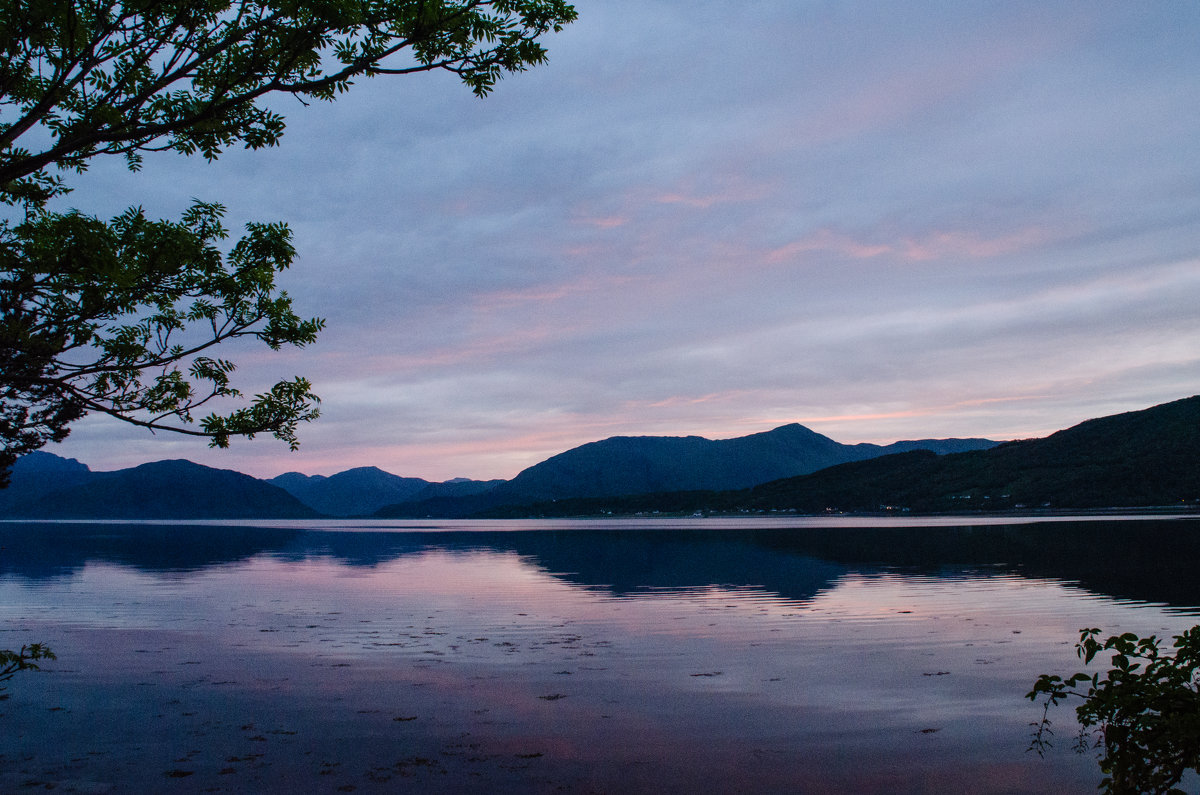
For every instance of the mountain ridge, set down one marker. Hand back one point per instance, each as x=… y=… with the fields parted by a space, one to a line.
x=359 y=491
x=49 y=486
x=1122 y=459
x=171 y=489
x=1139 y=459
x=631 y=464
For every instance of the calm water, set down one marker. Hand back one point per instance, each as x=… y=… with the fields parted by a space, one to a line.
x=684 y=656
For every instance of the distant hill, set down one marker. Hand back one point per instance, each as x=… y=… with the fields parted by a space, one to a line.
x=449 y=506
x=364 y=490
x=354 y=492
x=38 y=473
x=1137 y=459
x=636 y=464
x=48 y=486
x=459 y=487
x=632 y=464
x=162 y=490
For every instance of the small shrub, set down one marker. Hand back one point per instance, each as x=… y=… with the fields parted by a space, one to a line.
x=1142 y=716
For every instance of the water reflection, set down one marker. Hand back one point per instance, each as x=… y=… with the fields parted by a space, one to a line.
x=764 y=659
x=1148 y=560
x=39 y=550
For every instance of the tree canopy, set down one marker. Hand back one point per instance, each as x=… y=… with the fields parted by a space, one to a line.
x=118 y=316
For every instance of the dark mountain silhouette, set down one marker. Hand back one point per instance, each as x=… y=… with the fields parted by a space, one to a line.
x=37 y=474
x=164 y=490
x=459 y=487
x=636 y=464
x=47 y=486
x=355 y=492
x=1146 y=458
x=1136 y=459
x=364 y=490
x=632 y=464
x=452 y=507
x=296 y=483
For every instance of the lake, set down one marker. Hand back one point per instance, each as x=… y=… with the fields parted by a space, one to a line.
x=702 y=655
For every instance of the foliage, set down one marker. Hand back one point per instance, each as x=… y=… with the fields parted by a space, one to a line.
x=24 y=660
x=99 y=317
x=117 y=317
x=1144 y=713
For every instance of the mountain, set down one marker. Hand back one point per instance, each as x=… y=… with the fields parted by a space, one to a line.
x=162 y=490
x=939 y=446
x=48 y=486
x=637 y=464
x=37 y=474
x=458 y=487
x=296 y=483
x=632 y=464
x=1136 y=459
x=1146 y=458
x=445 y=506
x=355 y=492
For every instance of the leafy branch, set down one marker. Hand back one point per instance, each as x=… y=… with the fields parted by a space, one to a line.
x=103 y=77
x=1144 y=713
x=101 y=317
x=12 y=662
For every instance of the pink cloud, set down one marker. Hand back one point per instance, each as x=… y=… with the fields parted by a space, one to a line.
x=550 y=293
x=699 y=202
x=828 y=240
x=476 y=350
x=604 y=222
x=932 y=246
x=923 y=411
x=940 y=245
x=684 y=400
x=731 y=187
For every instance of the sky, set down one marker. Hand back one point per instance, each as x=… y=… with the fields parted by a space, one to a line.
x=881 y=220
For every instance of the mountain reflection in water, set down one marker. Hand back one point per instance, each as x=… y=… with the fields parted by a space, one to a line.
x=1151 y=560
